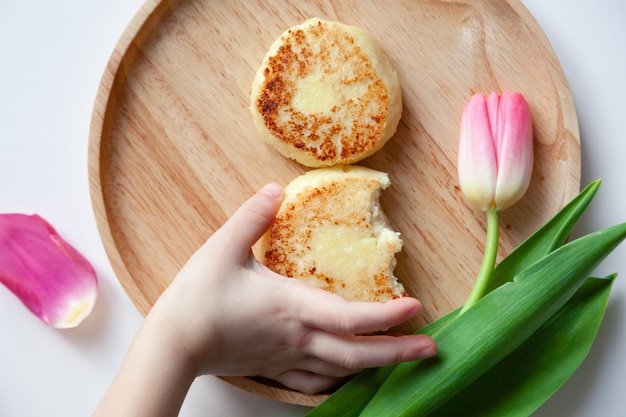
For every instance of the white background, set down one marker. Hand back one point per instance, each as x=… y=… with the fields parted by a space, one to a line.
x=52 y=55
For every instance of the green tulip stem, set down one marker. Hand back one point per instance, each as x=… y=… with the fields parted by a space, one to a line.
x=489 y=260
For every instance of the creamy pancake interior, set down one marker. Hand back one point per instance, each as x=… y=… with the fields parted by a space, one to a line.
x=331 y=232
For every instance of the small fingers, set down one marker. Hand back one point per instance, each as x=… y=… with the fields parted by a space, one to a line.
x=335 y=324
x=333 y=314
x=252 y=219
x=321 y=367
x=358 y=352
x=307 y=382
x=335 y=357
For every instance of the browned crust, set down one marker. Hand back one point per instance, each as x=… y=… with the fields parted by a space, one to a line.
x=324 y=138
x=289 y=239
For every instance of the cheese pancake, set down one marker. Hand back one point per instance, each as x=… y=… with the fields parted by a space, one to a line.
x=331 y=232
x=326 y=94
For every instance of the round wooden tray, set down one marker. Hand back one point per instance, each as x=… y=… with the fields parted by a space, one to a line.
x=173 y=151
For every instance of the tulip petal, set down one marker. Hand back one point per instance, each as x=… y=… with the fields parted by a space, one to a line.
x=495 y=150
x=493 y=108
x=477 y=159
x=515 y=150
x=49 y=276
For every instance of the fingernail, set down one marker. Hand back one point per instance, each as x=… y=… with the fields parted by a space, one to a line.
x=272 y=190
x=428 y=352
x=417 y=308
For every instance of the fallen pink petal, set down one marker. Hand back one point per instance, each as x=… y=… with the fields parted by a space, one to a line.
x=47 y=274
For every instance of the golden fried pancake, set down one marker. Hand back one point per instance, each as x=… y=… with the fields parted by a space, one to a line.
x=326 y=94
x=331 y=232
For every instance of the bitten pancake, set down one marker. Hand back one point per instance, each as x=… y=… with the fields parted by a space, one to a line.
x=326 y=94
x=331 y=232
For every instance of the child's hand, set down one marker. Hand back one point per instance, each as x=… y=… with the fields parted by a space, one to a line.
x=230 y=315
x=226 y=314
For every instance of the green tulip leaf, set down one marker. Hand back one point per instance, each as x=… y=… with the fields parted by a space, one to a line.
x=493 y=328
x=525 y=379
x=547 y=238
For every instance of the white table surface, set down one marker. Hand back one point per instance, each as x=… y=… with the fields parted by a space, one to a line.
x=52 y=55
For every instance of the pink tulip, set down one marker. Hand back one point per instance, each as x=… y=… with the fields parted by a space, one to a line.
x=495 y=150
x=48 y=275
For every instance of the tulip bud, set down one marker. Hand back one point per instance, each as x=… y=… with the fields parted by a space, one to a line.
x=495 y=150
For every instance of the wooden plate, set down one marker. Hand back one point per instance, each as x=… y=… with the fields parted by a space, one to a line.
x=173 y=151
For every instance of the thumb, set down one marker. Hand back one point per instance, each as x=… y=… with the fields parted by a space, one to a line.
x=252 y=219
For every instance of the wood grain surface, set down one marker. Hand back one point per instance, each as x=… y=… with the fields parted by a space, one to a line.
x=173 y=151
